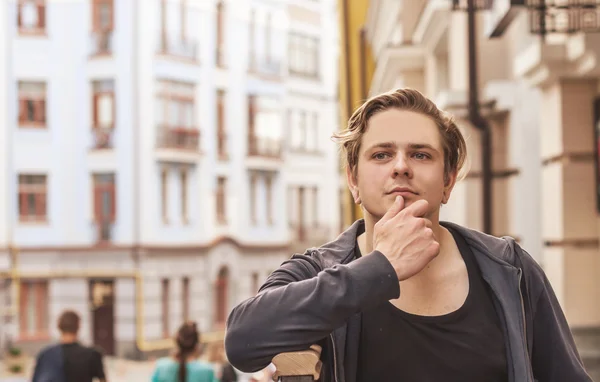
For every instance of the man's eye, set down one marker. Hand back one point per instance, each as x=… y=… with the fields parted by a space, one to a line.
x=421 y=155
x=380 y=156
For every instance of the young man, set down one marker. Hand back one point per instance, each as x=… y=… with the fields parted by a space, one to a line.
x=69 y=361
x=401 y=296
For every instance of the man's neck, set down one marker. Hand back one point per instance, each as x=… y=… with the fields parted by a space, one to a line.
x=68 y=338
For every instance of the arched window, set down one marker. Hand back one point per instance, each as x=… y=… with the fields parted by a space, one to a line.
x=221 y=291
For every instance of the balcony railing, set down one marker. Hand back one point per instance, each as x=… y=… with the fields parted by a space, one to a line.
x=102 y=42
x=271 y=67
x=264 y=147
x=104 y=229
x=102 y=138
x=176 y=46
x=178 y=138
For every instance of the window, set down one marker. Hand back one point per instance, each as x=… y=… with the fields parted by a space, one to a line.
x=269 y=197
x=175 y=115
x=31 y=16
x=165 y=308
x=303 y=55
x=221 y=197
x=264 y=126
x=104 y=198
x=176 y=102
x=164 y=195
x=102 y=24
x=32 y=104
x=33 y=304
x=32 y=198
x=220 y=34
x=221 y=300
x=253 y=185
x=251 y=124
x=102 y=14
x=221 y=129
x=185 y=297
x=174 y=38
x=184 y=205
x=103 y=105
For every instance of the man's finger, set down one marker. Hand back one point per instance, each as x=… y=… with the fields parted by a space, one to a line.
x=394 y=209
x=418 y=208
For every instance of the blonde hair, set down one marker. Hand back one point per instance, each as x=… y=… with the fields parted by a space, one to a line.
x=453 y=142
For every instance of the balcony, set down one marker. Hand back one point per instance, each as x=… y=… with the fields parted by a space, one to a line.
x=270 y=68
x=264 y=153
x=178 y=145
x=178 y=47
x=307 y=236
x=101 y=43
x=104 y=232
x=102 y=138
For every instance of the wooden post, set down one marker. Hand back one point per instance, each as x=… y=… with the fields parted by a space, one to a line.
x=300 y=366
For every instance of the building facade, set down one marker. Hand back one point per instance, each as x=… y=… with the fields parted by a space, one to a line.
x=150 y=161
x=539 y=96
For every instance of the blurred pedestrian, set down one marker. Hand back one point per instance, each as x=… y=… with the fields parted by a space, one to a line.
x=184 y=366
x=69 y=361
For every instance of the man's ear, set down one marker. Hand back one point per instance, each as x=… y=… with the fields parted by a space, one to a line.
x=449 y=182
x=353 y=185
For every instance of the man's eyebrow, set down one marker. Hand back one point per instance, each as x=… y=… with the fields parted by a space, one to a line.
x=420 y=146
x=392 y=145
x=383 y=145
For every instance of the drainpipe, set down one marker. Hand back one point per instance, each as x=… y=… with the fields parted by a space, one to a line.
x=478 y=121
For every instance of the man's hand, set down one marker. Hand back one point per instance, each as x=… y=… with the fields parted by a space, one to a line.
x=405 y=237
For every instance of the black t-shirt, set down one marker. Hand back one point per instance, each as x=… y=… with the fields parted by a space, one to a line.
x=82 y=364
x=462 y=346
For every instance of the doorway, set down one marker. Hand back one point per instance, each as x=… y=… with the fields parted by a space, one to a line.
x=101 y=301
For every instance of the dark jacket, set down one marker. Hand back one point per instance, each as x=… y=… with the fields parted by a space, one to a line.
x=317 y=297
x=49 y=365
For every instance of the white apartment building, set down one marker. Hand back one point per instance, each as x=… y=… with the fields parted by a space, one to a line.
x=541 y=98
x=149 y=159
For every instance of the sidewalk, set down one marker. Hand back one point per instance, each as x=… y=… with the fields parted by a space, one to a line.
x=117 y=370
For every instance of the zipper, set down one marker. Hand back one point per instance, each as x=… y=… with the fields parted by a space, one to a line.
x=529 y=374
x=334 y=359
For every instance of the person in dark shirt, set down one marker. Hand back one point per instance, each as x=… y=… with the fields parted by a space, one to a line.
x=400 y=295
x=69 y=361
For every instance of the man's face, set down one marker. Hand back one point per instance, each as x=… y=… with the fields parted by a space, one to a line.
x=401 y=154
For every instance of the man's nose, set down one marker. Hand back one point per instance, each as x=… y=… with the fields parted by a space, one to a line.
x=402 y=167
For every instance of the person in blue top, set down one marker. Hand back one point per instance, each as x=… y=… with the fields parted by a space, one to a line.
x=184 y=365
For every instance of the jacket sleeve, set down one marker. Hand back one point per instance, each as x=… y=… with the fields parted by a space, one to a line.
x=300 y=304
x=554 y=357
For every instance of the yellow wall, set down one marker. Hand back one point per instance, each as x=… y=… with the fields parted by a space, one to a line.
x=356 y=71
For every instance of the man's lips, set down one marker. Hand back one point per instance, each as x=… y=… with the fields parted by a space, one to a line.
x=404 y=191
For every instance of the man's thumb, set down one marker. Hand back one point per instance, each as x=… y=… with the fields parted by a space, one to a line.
x=394 y=209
